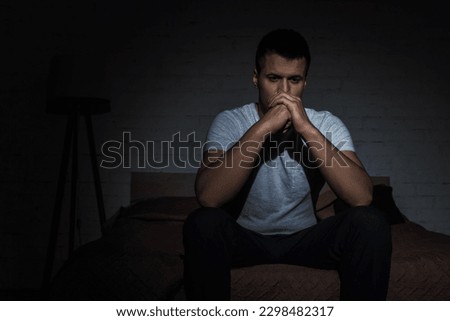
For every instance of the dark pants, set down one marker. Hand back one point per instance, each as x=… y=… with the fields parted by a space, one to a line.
x=356 y=243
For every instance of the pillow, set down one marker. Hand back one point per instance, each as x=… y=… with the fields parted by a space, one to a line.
x=383 y=200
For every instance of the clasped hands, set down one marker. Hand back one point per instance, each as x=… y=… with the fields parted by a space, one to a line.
x=285 y=110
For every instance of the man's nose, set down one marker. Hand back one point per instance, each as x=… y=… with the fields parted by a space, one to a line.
x=284 y=86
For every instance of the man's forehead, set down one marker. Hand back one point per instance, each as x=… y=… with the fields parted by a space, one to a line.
x=273 y=63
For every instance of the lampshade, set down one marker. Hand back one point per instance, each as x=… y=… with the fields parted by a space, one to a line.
x=78 y=81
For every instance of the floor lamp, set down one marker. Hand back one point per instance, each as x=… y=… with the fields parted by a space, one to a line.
x=77 y=88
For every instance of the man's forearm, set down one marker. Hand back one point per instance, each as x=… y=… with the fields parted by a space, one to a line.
x=221 y=178
x=342 y=170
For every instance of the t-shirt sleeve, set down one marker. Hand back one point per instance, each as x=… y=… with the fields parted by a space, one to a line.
x=337 y=133
x=222 y=134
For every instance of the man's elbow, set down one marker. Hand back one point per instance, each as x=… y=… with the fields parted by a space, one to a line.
x=204 y=198
x=363 y=200
x=207 y=201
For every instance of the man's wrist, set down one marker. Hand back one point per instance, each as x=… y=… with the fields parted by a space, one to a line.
x=260 y=130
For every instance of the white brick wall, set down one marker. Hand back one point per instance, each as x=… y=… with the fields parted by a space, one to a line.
x=382 y=68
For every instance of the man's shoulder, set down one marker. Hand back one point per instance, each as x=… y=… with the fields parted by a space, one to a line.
x=317 y=114
x=322 y=118
x=246 y=113
x=229 y=125
x=245 y=110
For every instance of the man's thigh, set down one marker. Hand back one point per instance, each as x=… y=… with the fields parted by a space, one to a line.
x=322 y=245
x=250 y=248
x=316 y=246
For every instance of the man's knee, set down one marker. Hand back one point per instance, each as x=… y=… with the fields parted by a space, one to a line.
x=205 y=222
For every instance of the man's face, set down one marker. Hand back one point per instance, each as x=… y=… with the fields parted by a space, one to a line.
x=277 y=75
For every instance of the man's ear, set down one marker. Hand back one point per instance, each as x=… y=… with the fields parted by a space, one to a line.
x=255 y=77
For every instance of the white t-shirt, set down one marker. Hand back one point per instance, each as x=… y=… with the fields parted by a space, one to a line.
x=279 y=200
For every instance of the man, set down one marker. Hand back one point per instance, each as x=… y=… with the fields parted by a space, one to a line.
x=255 y=168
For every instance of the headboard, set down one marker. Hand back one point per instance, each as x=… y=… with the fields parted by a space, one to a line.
x=157 y=184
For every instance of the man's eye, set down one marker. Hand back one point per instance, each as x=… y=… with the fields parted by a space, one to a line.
x=273 y=78
x=296 y=80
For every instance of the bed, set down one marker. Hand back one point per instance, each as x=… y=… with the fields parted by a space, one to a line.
x=140 y=256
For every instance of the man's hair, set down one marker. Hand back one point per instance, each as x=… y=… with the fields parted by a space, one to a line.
x=284 y=42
